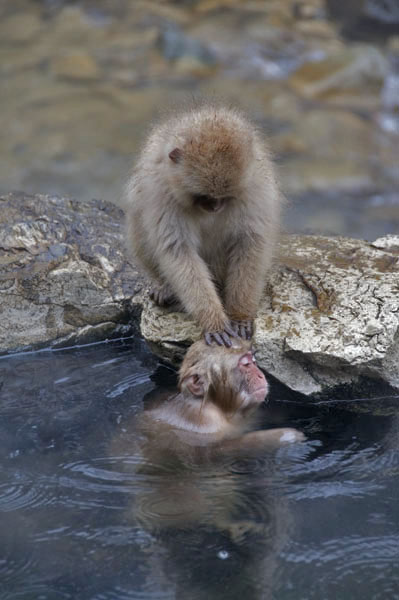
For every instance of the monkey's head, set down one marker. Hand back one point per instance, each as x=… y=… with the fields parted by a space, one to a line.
x=209 y=166
x=227 y=377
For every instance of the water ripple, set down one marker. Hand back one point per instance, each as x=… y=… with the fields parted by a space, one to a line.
x=341 y=472
x=95 y=484
x=23 y=495
x=11 y=569
x=150 y=592
x=126 y=383
x=346 y=563
x=38 y=591
x=351 y=550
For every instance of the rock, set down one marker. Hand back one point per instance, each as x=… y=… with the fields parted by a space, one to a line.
x=174 y=45
x=20 y=28
x=361 y=13
x=335 y=133
x=325 y=174
x=327 y=134
x=206 y=6
x=316 y=29
x=78 y=65
x=312 y=10
x=387 y=242
x=347 y=68
x=330 y=316
x=383 y=11
x=192 y=67
x=63 y=272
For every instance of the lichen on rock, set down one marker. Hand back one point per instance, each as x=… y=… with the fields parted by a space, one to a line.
x=329 y=316
x=63 y=271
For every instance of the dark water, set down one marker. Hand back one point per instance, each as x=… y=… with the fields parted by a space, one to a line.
x=78 y=520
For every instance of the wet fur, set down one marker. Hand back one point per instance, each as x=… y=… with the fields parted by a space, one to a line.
x=222 y=419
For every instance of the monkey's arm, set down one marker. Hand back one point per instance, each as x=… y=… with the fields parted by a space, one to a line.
x=249 y=260
x=190 y=279
x=258 y=441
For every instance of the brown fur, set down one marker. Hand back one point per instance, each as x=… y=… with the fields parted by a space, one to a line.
x=214 y=262
x=220 y=416
x=182 y=451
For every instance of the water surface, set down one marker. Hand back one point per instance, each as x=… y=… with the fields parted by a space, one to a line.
x=83 y=81
x=79 y=519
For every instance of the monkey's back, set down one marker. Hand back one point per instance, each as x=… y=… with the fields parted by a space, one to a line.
x=217 y=143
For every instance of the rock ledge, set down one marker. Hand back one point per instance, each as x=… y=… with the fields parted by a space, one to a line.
x=329 y=316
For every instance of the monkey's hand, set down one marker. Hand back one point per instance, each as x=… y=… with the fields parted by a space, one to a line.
x=222 y=338
x=273 y=438
x=244 y=329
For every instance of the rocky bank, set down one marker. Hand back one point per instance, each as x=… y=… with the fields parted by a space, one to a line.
x=330 y=313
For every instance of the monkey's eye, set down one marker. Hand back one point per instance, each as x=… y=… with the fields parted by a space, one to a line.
x=202 y=199
x=246 y=360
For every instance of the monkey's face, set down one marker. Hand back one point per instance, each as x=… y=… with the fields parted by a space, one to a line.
x=210 y=204
x=253 y=384
x=207 y=179
x=229 y=378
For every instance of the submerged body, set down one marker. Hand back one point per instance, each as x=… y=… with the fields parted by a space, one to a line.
x=203 y=212
x=214 y=413
x=190 y=495
x=185 y=441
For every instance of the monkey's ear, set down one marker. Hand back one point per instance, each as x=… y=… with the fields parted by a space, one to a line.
x=195 y=385
x=175 y=155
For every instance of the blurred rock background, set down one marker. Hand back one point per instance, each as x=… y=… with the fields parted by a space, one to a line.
x=81 y=81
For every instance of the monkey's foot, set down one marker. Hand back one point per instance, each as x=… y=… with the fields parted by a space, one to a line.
x=244 y=329
x=162 y=295
x=222 y=338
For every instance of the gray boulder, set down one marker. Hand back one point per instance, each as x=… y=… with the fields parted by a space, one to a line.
x=329 y=316
x=64 y=278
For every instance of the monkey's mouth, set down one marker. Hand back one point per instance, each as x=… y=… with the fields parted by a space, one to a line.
x=260 y=393
x=208 y=203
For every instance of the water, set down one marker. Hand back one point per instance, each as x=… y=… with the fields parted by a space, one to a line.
x=80 y=519
x=81 y=83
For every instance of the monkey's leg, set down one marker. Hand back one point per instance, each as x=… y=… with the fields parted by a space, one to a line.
x=163 y=295
x=189 y=276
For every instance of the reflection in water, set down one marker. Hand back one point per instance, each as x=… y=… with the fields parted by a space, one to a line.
x=219 y=528
x=82 y=516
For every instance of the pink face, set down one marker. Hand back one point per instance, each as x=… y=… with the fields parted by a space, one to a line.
x=256 y=384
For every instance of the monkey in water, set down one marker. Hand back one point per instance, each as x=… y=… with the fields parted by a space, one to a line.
x=213 y=414
x=202 y=212
x=183 y=436
x=184 y=447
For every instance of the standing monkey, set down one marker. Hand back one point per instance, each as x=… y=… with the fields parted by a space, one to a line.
x=203 y=213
